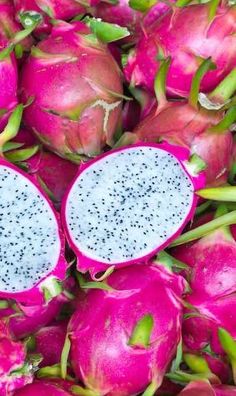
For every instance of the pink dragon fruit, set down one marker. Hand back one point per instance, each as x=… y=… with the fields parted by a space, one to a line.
x=187 y=123
x=142 y=197
x=42 y=388
x=24 y=8
x=124 y=338
x=172 y=36
x=15 y=370
x=54 y=173
x=203 y=388
x=32 y=252
x=9 y=81
x=73 y=60
x=24 y=320
x=49 y=342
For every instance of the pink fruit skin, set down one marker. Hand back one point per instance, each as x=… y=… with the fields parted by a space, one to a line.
x=121 y=14
x=181 y=124
x=29 y=321
x=35 y=295
x=61 y=9
x=212 y=281
x=49 y=343
x=201 y=388
x=84 y=263
x=9 y=81
x=42 y=388
x=70 y=92
x=22 y=6
x=8 y=25
x=103 y=323
x=171 y=35
x=13 y=356
x=55 y=172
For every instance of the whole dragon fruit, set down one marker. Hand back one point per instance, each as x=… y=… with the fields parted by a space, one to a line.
x=128 y=204
x=203 y=388
x=81 y=103
x=205 y=132
x=212 y=34
x=15 y=370
x=210 y=319
x=124 y=338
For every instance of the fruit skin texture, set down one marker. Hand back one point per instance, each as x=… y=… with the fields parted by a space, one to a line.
x=49 y=343
x=42 y=388
x=94 y=266
x=104 y=321
x=172 y=37
x=212 y=281
x=13 y=357
x=201 y=388
x=34 y=295
x=8 y=81
x=75 y=111
x=181 y=124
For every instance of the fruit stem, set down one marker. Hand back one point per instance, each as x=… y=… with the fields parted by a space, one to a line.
x=225 y=89
x=229 y=346
x=226 y=122
x=160 y=82
x=78 y=390
x=151 y=389
x=225 y=193
x=205 y=66
x=205 y=229
x=196 y=363
x=182 y=3
x=64 y=357
x=213 y=5
x=142 y=332
x=142 y=5
x=11 y=130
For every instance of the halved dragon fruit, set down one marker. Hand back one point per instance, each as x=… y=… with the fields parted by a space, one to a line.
x=86 y=116
x=128 y=204
x=123 y=338
x=15 y=371
x=188 y=35
x=31 y=241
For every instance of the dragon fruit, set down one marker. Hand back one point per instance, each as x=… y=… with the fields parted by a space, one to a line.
x=122 y=340
x=212 y=34
x=187 y=123
x=54 y=173
x=8 y=25
x=32 y=253
x=15 y=370
x=53 y=336
x=9 y=81
x=42 y=388
x=203 y=388
x=128 y=204
x=24 y=320
x=72 y=60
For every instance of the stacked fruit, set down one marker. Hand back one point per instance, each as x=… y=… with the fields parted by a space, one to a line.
x=117 y=204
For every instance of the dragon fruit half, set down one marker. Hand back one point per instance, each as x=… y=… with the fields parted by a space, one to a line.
x=203 y=388
x=124 y=338
x=128 y=204
x=72 y=95
x=205 y=132
x=15 y=370
x=212 y=34
x=32 y=251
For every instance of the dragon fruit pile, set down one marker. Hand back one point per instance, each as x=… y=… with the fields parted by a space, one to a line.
x=117 y=198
